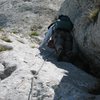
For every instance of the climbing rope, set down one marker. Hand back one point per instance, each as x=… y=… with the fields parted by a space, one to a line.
x=32 y=80
x=35 y=76
x=31 y=89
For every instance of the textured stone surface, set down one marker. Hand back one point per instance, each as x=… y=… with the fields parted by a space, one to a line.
x=86 y=31
x=52 y=80
x=24 y=69
x=24 y=16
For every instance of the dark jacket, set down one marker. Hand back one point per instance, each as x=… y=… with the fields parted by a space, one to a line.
x=63 y=23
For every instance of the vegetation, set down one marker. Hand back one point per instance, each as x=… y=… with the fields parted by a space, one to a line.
x=1 y=29
x=5 y=38
x=35 y=28
x=4 y=48
x=32 y=46
x=14 y=31
x=33 y=34
x=93 y=14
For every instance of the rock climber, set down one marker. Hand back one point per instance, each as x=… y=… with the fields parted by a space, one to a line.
x=60 y=38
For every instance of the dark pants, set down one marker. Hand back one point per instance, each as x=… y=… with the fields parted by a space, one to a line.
x=63 y=43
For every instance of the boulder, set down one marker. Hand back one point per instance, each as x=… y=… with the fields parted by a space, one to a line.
x=86 y=18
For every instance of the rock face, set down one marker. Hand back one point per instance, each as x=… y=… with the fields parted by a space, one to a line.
x=23 y=16
x=86 y=18
x=27 y=73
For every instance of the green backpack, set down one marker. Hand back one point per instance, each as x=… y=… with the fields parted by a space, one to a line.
x=64 y=23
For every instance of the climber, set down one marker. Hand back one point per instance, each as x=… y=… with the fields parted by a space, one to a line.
x=59 y=37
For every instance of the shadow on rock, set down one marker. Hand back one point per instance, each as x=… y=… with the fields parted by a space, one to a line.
x=75 y=82
x=7 y=71
x=3 y=20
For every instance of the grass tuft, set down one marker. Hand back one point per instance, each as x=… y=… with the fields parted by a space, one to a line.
x=1 y=29
x=14 y=31
x=5 y=38
x=93 y=15
x=33 y=34
x=32 y=46
x=4 y=48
